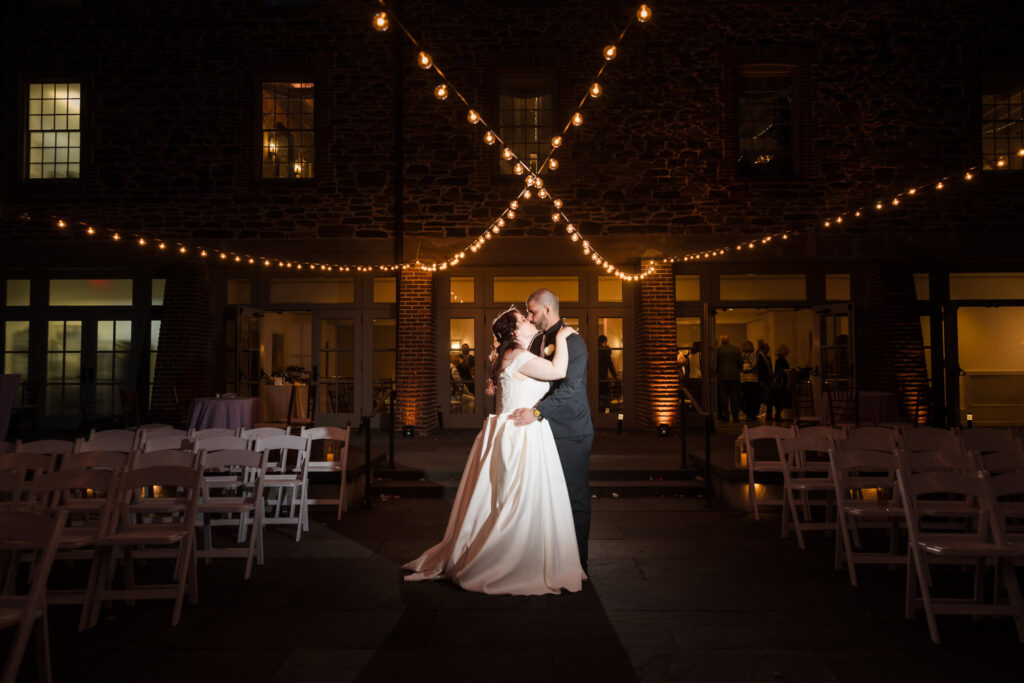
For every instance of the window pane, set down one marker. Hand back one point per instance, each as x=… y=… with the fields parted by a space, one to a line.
x=90 y=292
x=461 y=290
x=1002 y=128
x=384 y=290
x=240 y=292
x=837 y=287
x=764 y=114
x=525 y=119
x=753 y=287
x=515 y=289
x=48 y=107
x=609 y=289
x=986 y=286
x=687 y=288
x=19 y=292
x=318 y=291
x=288 y=150
x=462 y=362
x=159 y=285
x=921 y=286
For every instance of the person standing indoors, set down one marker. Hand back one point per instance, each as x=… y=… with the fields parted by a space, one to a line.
x=749 y=387
x=764 y=377
x=780 y=383
x=728 y=361
x=466 y=369
x=605 y=372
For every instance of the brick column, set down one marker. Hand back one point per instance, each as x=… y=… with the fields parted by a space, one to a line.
x=417 y=367
x=183 y=352
x=890 y=349
x=657 y=379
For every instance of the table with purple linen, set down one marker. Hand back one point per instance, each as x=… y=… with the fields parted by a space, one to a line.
x=230 y=412
x=873 y=407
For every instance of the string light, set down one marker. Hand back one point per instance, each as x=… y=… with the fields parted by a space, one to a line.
x=441 y=92
x=161 y=246
x=61 y=225
x=610 y=51
x=380 y=21
x=553 y=163
x=424 y=61
x=577 y=119
x=595 y=90
x=142 y=241
x=117 y=237
x=556 y=141
x=472 y=116
x=90 y=231
x=182 y=250
x=489 y=138
x=643 y=15
x=203 y=253
x=507 y=154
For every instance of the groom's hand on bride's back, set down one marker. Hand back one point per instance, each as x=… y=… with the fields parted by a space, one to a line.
x=523 y=416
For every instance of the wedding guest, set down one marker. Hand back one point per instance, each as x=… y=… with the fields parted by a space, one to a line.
x=749 y=387
x=728 y=360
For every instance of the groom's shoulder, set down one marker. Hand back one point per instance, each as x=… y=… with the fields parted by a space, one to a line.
x=576 y=344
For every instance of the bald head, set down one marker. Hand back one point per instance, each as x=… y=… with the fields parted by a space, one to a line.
x=542 y=307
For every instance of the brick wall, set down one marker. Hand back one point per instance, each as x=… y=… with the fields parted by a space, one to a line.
x=183 y=352
x=890 y=343
x=657 y=378
x=417 y=370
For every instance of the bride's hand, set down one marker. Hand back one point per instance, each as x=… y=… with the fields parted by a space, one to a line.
x=564 y=332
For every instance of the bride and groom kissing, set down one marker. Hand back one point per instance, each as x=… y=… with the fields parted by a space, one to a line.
x=521 y=517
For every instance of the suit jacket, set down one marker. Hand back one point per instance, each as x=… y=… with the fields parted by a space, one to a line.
x=729 y=361
x=565 y=405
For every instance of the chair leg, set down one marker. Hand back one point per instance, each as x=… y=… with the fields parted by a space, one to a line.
x=796 y=520
x=43 y=648
x=1005 y=567
x=751 y=490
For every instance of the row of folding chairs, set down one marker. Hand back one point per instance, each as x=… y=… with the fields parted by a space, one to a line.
x=957 y=498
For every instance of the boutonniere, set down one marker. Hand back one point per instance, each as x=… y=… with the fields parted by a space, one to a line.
x=549 y=349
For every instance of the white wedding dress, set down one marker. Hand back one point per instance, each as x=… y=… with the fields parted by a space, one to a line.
x=510 y=531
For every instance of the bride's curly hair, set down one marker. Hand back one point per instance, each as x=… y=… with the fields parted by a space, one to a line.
x=504 y=328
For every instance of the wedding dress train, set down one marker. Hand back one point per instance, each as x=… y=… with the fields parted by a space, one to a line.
x=510 y=529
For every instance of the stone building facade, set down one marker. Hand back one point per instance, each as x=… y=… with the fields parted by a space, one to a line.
x=877 y=97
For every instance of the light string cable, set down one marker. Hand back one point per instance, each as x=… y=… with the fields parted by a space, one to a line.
x=382 y=22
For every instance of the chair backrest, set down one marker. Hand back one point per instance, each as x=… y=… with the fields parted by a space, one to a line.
x=172 y=457
x=47 y=446
x=36 y=463
x=947 y=494
x=284 y=445
x=212 y=432
x=112 y=460
x=932 y=449
x=843 y=406
x=870 y=439
x=1000 y=461
x=164 y=440
x=1007 y=491
x=262 y=433
x=59 y=489
x=984 y=439
x=327 y=434
x=836 y=434
x=802 y=450
x=931 y=439
x=803 y=399
x=860 y=469
x=180 y=489
x=752 y=435
x=220 y=443
x=110 y=440
x=40 y=533
x=251 y=466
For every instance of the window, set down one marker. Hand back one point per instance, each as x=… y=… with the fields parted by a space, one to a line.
x=288 y=130
x=525 y=110
x=1002 y=127
x=765 y=122
x=54 y=130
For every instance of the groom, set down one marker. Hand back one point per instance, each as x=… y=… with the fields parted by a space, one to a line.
x=566 y=409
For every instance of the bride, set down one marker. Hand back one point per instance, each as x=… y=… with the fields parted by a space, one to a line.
x=511 y=528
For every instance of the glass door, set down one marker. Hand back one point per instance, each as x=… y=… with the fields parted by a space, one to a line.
x=88 y=361
x=607 y=353
x=335 y=369
x=242 y=351
x=835 y=345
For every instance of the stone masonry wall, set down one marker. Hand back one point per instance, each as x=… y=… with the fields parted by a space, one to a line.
x=417 y=372
x=657 y=381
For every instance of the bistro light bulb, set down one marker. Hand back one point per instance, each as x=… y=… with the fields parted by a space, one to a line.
x=489 y=138
x=238 y=259
x=203 y=253
x=895 y=201
x=424 y=60
x=530 y=179
x=595 y=90
x=497 y=228
x=61 y=225
x=511 y=214
x=513 y=204
x=90 y=231
x=182 y=250
x=441 y=92
x=558 y=203
x=500 y=222
x=968 y=176
x=569 y=228
x=643 y=14
x=266 y=262
x=507 y=154
x=878 y=206
x=519 y=169
x=116 y=237
x=556 y=217
x=472 y=116
x=161 y=246
x=939 y=186
x=575 y=237
x=381 y=22
x=223 y=256
x=912 y=190
x=609 y=52
x=251 y=260
x=577 y=119
x=527 y=194
x=556 y=141
x=553 y=163
x=542 y=193
x=538 y=181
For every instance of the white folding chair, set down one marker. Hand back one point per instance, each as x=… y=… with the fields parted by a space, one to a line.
x=220 y=443
x=107 y=460
x=233 y=485
x=865 y=485
x=975 y=544
x=335 y=445
x=871 y=439
x=170 y=457
x=211 y=432
x=257 y=433
x=110 y=440
x=996 y=449
x=806 y=470
x=168 y=522
x=39 y=534
x=57 y=449
x=834 y=432
x=166 y=440
x=25 y=467
x=287 y=474
x=1008 y=503
x=765 y=460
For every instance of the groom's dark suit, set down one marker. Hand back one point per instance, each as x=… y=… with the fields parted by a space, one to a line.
x=566 y=408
